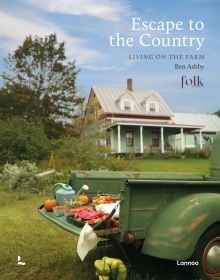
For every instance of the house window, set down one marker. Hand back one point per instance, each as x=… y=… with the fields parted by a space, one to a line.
x=155 y=139
x=127 y=105
x=152 y=107
x=129 y=138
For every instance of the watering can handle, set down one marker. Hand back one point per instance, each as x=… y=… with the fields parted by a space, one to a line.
x=62 y=185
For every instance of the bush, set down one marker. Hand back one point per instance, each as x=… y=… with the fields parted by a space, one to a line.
x=205 y=152
x=85 y=154
x=23 y=177
x=17 y=177
x=167 y=155
x=21 y=140
x=195 y=153
x=190 y=153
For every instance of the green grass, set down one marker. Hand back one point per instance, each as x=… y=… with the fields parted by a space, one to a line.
x=171 y=165
x=148 y=165
x=48 y=251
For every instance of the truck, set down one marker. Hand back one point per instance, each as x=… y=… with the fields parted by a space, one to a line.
x=169 y=215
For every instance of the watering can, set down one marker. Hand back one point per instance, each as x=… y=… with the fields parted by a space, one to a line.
x=64 y=193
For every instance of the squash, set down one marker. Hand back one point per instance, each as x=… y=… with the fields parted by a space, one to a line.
x=83 y=198
x=49 y=204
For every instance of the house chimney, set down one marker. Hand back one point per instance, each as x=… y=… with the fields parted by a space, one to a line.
x=129 y=84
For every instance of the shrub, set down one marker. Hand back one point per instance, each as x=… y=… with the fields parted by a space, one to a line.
x=195 y=153
x=157 y=155
x=21 y=140
x=22 y=177
x=205 y=152
x=172 y=155
x=190 y=153
x=85 y=154
x=16 y=177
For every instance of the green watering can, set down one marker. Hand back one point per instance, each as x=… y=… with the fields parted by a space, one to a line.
x=64 y=193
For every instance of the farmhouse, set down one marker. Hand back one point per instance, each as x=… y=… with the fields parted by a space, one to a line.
x=140 y=121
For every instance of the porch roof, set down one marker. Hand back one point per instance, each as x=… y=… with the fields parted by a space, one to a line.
x=152 y=123
x=209 y=122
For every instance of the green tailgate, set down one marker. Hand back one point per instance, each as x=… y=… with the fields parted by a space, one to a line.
x=60 y=221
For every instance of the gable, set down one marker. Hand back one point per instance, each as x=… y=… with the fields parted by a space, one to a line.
x=126 y=102
x=126 y=95
x=93 y=109
x=151 y=104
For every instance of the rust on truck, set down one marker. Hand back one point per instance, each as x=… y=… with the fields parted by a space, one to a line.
x=198 y=220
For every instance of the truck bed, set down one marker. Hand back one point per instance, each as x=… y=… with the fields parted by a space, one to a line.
x=112 y=181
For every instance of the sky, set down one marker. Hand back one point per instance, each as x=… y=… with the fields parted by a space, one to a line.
x=86 y=27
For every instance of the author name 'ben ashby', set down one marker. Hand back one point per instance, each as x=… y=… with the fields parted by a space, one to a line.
x=195 y=66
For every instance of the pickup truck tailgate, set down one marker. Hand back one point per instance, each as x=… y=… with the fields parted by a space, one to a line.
x=63 y=223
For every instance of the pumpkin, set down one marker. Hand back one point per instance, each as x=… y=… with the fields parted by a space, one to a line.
x=49 y=204
x=83 y=198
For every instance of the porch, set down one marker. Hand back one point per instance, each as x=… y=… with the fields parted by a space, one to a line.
x=139 y=138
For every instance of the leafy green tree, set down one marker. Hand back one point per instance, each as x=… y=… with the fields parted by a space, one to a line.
x=19 y=102
x=39 y=72
x=22 y=140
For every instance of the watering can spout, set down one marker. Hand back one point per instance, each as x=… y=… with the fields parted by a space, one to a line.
x=83 y=188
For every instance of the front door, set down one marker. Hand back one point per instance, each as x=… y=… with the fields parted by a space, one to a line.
x=155 y=140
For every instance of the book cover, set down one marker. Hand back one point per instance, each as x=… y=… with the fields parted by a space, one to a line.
x=149 y=71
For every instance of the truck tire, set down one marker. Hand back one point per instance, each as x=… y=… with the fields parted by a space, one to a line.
x=207 y=254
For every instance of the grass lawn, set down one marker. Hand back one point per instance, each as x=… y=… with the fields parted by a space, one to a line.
x=171 y=165
x=50 y=252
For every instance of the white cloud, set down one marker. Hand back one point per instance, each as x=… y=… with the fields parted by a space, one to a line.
x=100 y=68
x=15 y=29
x=111 y=10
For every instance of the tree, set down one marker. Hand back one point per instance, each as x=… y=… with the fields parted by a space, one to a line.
x=74 y=129
x=19 y=102
x=38 y=68
x=22 y=140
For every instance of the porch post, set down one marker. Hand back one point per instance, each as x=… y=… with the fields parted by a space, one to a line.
x=182 y=141
x=200 y=139
x=119 y=139
x=162 y=140
x=141 y=140
x=112 y=139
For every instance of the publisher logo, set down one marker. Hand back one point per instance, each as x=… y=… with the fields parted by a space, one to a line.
x=194 y=81
x=187 y=263
x=20 y=262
